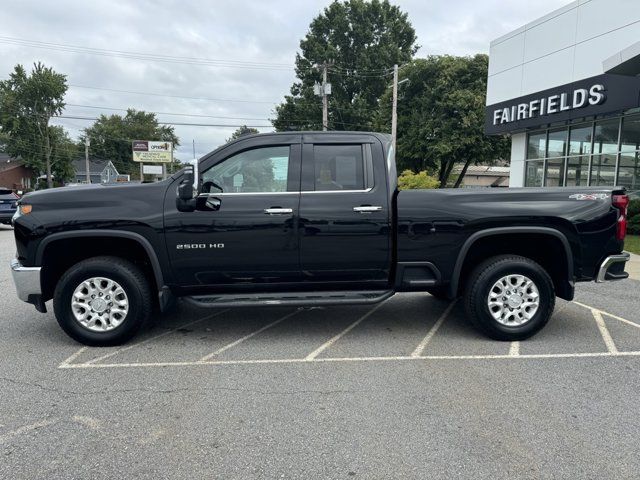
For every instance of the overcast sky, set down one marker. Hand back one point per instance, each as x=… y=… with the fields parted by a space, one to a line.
x=249 y=31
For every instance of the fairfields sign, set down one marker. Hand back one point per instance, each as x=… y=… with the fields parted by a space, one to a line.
x=593 y=96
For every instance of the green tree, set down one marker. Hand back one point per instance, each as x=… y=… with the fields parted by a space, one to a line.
x=110 y=137
x=27 y=104
x=241 y=132
x=361 y=41
x=441 y=117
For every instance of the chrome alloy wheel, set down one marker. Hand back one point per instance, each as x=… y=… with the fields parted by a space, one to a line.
x=99 y=304
x=513 y=300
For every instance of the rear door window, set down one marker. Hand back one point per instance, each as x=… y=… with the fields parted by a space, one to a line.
x=339 y=167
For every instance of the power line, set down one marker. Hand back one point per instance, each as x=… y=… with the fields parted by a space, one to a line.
x=162 y=113
x=173 y=96
x=145 y=56
x=93 y=119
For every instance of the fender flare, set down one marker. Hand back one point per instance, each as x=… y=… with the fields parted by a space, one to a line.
x=144 y=243
x=457 y=269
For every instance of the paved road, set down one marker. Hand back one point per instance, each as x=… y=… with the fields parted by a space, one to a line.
x=403 y=391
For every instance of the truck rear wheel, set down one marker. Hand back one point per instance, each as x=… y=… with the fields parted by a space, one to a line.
x=509 y=298
x=102 y=301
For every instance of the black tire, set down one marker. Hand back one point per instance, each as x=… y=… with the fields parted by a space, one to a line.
x=130 y=278
x=480 y=283
x=439 y=292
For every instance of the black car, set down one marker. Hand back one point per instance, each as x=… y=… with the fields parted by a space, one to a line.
x=8 y=201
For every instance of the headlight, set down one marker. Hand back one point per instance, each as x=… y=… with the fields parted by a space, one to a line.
x=21 y=210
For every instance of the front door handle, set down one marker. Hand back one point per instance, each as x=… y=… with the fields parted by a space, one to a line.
x=367 y=208
x=278 y=211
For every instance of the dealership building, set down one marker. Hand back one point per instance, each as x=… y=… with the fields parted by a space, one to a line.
x=566 y=89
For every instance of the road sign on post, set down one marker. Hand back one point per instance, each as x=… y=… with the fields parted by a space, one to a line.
x=152 y=152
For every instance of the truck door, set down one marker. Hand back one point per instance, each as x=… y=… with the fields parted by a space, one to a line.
x=244 y=230
x=345 y=216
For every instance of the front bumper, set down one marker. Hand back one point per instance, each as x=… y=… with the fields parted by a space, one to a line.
x=612 y=268
x=27 y=281
x=6 y=216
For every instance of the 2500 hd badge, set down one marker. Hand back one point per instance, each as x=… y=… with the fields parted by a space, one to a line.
x=195 y=246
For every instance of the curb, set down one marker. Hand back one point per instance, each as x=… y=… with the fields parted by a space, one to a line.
x=633 y=267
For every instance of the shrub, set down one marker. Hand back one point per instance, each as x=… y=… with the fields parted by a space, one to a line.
x=634 y=207
x=633 y=214
x=410 y=181
x=633 y=227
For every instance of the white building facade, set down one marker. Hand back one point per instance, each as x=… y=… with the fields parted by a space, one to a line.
x=566 y=88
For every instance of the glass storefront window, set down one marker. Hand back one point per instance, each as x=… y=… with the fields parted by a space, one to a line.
x=554 y=172
x=557 y=143
x=630 y=134
x=606 y=136
x=586 y=154
x=603 y=169
x=533 y=173
x=577 y=171
x=537 y=145
x=580 y=140
x=629 y=171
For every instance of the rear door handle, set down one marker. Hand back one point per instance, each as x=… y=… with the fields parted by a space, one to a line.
x=367 y=208
x=278 y=211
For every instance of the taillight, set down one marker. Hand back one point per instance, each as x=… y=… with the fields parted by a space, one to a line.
x=621 y=202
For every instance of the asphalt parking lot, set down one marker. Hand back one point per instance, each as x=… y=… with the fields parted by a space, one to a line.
x=401 y=390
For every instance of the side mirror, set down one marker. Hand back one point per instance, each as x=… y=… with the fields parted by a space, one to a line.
x=185 y=201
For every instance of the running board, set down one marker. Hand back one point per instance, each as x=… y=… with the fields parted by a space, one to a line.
x=293 y=299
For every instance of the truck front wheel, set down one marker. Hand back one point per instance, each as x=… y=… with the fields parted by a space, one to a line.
x=102 y=301
x=509 y=297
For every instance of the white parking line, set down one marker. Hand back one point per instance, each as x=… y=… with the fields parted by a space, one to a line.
x=620 y=319
x=514 y=350
x=337 y=337
x=27 y=429
x=73 y=356
x=247 y=337
x=606 y=336
x=423 y=343
x=168 y=332
x=352 y=359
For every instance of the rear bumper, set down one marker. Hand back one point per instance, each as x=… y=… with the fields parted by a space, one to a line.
x=27 y=281
x=612 y=268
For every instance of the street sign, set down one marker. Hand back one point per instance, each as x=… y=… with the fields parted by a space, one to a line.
x=152 y=152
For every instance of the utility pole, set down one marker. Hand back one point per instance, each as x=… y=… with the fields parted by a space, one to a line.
x=323 y=90
x=394 y=108
x=325 y=103
x=86 y=158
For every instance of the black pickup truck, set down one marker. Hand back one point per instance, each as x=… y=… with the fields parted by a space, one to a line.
x=309 y=219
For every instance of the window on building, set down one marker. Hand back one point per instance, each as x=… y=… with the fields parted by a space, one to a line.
x=586 y=154
x=629 y=171
x=605 y=136
x=534 y=173
x=580 y=139
x=630 y=134
x=603 y=169
x=557 y=143
x=554 y=172
x=537 y=145
x=577 y=171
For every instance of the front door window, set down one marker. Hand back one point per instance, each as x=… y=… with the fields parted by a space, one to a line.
x=260 y=170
